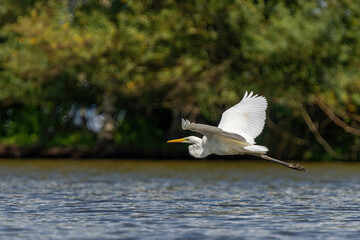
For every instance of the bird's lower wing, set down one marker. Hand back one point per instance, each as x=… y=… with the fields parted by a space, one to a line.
x=208 y=130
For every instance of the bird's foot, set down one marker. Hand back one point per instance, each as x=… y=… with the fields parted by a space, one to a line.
x=297 y=166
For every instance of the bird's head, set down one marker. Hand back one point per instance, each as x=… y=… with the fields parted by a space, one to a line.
x=190 y=139
x=196 y=147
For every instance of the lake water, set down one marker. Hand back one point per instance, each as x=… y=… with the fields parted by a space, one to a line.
x=177 y=200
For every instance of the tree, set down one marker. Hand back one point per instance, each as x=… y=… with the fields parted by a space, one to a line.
x=144 y=65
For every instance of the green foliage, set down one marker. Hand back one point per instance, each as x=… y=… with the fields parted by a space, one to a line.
x=78 y=138
x=138 y=131
x=194 y=58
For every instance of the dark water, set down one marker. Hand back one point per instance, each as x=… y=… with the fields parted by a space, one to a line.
x=177 y=200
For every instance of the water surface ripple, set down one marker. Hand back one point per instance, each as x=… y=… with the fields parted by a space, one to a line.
x=177 y=200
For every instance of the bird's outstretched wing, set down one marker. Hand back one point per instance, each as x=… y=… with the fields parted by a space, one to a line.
x=247 y=118
x=208 y=130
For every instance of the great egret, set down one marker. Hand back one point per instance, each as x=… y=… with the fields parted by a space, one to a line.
x=238 y=127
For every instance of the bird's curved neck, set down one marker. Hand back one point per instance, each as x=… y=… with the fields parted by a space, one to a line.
x=197 y=149
x=195 y=140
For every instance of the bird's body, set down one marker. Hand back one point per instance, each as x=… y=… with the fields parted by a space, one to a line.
x=215 y=145
x=219 y=145
x=235 y=134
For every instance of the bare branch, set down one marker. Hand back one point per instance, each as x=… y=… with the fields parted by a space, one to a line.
x=350 y=115
x=285 y=134
x=335 y=119
x=313 y=128
x=353 y=116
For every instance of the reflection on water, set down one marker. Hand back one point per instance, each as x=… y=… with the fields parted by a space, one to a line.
x=182 y=200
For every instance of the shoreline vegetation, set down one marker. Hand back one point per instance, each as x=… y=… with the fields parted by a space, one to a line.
x=82 y=153
x=90 y=78
x=11 y=151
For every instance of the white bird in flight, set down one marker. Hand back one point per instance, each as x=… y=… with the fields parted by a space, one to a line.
x=236 y=133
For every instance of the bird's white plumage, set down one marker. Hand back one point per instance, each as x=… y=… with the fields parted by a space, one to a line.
x=247 y=118
x=235 y=134
x=238 y=127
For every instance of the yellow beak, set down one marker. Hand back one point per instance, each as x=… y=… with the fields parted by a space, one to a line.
x=177 y=140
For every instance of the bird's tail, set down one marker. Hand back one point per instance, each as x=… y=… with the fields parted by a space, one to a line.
x=257 y=149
